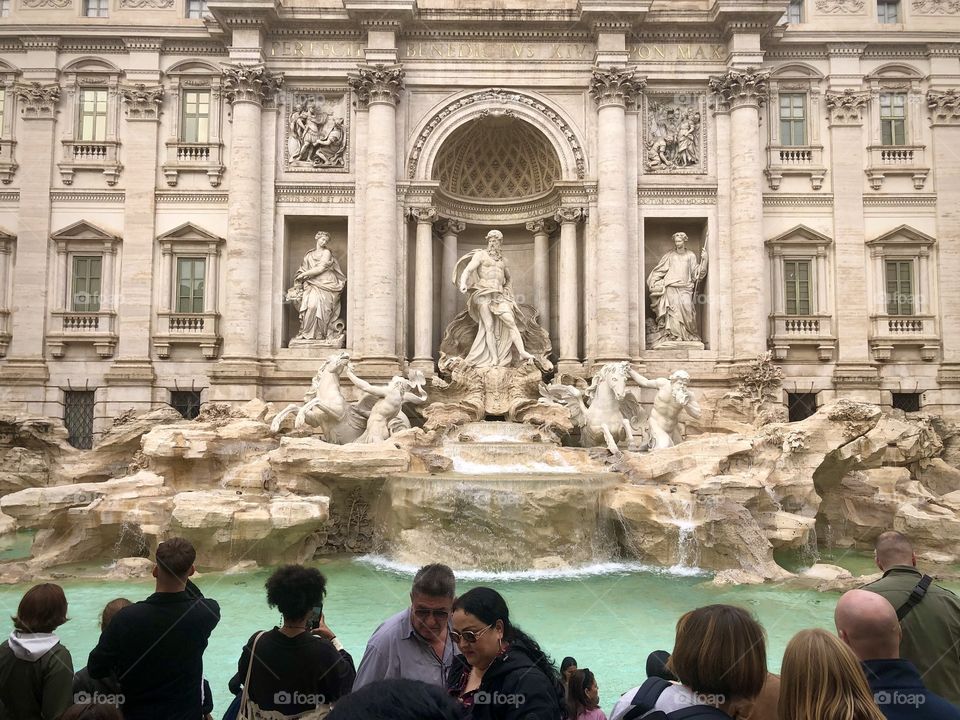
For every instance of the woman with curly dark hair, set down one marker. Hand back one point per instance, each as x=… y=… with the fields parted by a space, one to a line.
x=299 y=668
x=503 y=673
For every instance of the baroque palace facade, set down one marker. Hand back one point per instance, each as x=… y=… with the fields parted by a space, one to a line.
x=166 y=165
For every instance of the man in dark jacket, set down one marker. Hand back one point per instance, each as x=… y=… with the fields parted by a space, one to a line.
x=155 y=647
x=931 y=629
x=868 y=624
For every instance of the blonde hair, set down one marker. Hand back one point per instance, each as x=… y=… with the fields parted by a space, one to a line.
x=821 y=679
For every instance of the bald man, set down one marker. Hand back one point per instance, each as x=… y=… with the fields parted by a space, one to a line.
x=868 y=624
x=931 y=628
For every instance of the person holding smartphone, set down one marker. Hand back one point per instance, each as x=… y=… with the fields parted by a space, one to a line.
x=299 y=667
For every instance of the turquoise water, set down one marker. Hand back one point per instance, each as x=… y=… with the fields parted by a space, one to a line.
x=609 y=620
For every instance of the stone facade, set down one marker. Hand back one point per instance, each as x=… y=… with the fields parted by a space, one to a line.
x=166 y=166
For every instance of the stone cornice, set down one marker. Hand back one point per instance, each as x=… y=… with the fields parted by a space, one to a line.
x=896 y=201
x=12 y=196
x=741 y=87
x=193 y=197
x=40 y=42
x=846 y=107
x=615 y=86
x=677 y=195
x=143 y=44
x=944 y=106
x=301 y=193
x=87 y=196
x=852 y=49
x=37 y=100
x=250 y=83
x=817 y=200
x=377 y=84
x=141 y=102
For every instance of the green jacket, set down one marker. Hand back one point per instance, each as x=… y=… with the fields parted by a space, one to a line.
x=931 y=632
x=38 y=689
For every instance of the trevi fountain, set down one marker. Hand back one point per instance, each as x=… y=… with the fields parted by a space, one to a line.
x=626 y=497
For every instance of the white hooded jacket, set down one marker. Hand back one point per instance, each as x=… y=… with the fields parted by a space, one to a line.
x=31 y=646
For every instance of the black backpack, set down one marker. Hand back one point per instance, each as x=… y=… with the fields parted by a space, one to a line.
x=646 y=700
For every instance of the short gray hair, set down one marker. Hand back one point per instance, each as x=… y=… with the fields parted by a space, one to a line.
x=435 y=580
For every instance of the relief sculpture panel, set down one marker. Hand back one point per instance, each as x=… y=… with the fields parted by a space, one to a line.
x=674 y=137
x=316 y=130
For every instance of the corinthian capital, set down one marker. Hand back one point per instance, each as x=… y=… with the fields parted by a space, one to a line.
x=944 y=105
x=422 y=214
x=38 y=101
x=615 y=86
x=570 y=215
x=245 y=82
x=741 y=87
x=542 y=225
x=846 y=107
x=377 y=84
x=451 y=227
x=142 y=102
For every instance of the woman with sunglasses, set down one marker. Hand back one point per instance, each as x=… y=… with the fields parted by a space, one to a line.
x=503 y=674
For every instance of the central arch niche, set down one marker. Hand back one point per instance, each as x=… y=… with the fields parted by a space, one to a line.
x=497 y=158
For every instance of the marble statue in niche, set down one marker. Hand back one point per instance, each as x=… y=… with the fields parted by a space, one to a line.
x=674 y=138
x=316 y=133
x=673 y=286
x=317 y=286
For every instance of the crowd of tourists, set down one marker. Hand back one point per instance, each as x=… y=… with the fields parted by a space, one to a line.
x=894 y=654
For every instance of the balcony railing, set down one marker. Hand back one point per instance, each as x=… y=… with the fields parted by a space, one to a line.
x=193 y=157
x=801 y=160
x=898 y=160
x=887 y=332
x=787 y=331
x=97 y=328
x=100 y=155
x=200 y=329
x=8 y=165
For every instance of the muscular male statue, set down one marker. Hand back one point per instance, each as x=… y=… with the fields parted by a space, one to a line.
x=672 y=398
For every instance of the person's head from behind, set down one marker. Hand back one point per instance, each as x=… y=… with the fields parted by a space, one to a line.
x=431 y=600
x=821 y=679
x=92 y=711
x=175 y=558
x=583 y=693
x=657 y=665
x=42 y=609
x=720 y=651
x=297 y=592
x=868 y=623
x=111 y=609
x=568 y=666
x=893 y=548
x=398 y=700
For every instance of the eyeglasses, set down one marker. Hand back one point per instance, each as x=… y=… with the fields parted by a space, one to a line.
x=467 y=636
x=427 y=613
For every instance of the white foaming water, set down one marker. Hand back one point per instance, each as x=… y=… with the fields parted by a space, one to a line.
x=495 y=439
x=468 y=467
x=594 y=569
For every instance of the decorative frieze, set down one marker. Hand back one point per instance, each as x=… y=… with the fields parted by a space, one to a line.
x=944 y=105
x=316 y=130
x=377 y=84
x=840 y=7
x=674 y=133
x=37 y=100
x=677 y=195
x=936 y=7
x=250 y=83
x=846 y=107
x=615 y=86
x=314 y=194
x=741 y=87
x=36 y=4
x=141 y=102
x=152 y=4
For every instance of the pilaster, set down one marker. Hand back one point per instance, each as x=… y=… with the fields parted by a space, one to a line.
x=449 y=230
x=423 y=288
x=568 y=310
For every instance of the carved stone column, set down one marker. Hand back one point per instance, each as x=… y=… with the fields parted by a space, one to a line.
x=423 y=288
x=568 y=309
x=845 y=110
x=745 y=91
x=132 y=370
x=25 y=363
x=247 y=88
x=449 y=230
x=612 y=89
x=378 y=89
x=944 y=108
x=541 y=230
